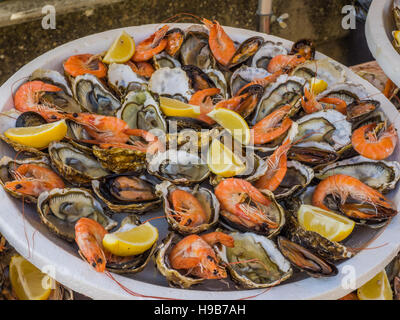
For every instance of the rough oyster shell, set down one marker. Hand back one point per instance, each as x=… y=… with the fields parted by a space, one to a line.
x=245 y=75
x=267 y=51
x=122 y=79
x=164 y=60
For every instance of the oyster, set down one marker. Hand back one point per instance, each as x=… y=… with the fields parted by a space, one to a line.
x=313 y=153
x=29 y=119
x=122 y=79
x=245 y=75
x=347 y=91
x=286 y=90
x=52 y=77
x=305 y=260
x=361 y=110
x=74 y=163
x=179 y=167
x=219 y=80
x=60 y=209
x=267 y=266
x=171 y=82
x=164 y=60
x=380 y=175
x=94 y=97
x=131 y=264
x=141 y=110
x=126 y=193
x=205 y=197
x=267 y=51
x=9 y=165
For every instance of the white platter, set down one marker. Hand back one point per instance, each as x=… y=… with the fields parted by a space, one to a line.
x=378 y=31
x=43 y=249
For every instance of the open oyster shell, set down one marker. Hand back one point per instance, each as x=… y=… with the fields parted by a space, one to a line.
x=205 y=196
x=269 y=267
x=266 y=52
x=108 y=189
x=60 y=209
x=122 y=79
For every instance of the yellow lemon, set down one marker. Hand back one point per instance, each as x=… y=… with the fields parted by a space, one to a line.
x=223 y=162
x=318 y=85
x=134 y=241
x=27 y=281
x=328 y=224
x=176 y=108
x=378 y=288
x=396 y=36
x=233 y=122
x=39 y=136
x=122 y=49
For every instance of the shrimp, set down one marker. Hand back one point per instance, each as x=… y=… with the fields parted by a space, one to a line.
x=27 y=98
x=187 y=210
x=244 y=204
x=374 y=141
x=81 y=64
x=202 y=98
x=221 y=45
x=284 y=63
x=311 y=105
x=151 y=46
x=89 y=236
x=263 y=81
x=32 y=179
x=108 y=131
x=272 y=126
x=366 y=202
x=277 y=168
x=195 y=254
x=143 y=69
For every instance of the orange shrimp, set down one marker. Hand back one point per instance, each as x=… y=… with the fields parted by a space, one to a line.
x=277 y=168
x=244 y=204
x=374 y=142
x=350 y=296
x=243 y=104
x=143 y=69
x=81 y=64
x=221 y=45
x=202 y=98
x=187 y=210
x=27 y=98
x=272 y=126
x=263 y=81
x=366 y=202
x=151 y=46
x=175 y=39
x=89 y=236
x=310 y=104
x=32 y=179
x=195 y=254
x=284 y=62
x=335 y=103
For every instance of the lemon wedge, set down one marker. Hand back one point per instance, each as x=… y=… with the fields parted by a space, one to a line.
x=223 y=162
x=396 y=36
x=27 y=281
x=134 y=241
x=176 y=108
x=122 y=49
x=378 y=288
x=39 y=136
x=233 y=122
x=328 y=224
x=318 y=85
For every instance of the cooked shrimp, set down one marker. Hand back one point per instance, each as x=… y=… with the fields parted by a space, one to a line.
x=284 y=63
x=27 y=98
x=81 y=64
x=221 y=45
x=310 y=104
x=187 y=210
x=32 y=179
x=143 y=69
x=202 y=98
x=244 y=204
x=370 y=204
x=195 y=254
x=151 y=46
x=277 y=168
x=89 y=236
x=272 y=126
x=374 y=141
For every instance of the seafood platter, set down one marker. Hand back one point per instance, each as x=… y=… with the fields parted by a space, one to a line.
x=111 y=171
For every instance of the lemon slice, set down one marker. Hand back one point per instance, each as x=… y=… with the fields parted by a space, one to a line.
x=396 y=36
x=223 y=162
x=176 y=108
x=328 y=224
x=122 y=49
x=27 y=281
x=39 y=136
x=318 y=85
x=378 y=288
x=134 y=241
x=233 y=122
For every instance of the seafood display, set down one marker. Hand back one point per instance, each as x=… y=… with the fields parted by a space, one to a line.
x=148 y=135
